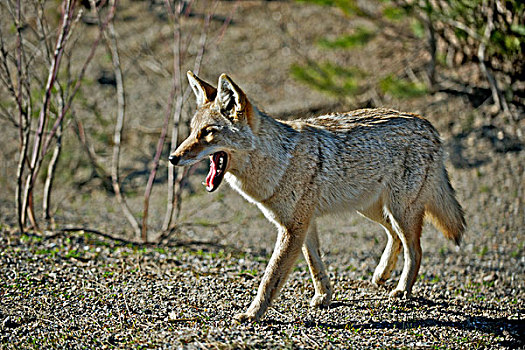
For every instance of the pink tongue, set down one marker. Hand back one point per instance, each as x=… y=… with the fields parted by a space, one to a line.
x=211 y=174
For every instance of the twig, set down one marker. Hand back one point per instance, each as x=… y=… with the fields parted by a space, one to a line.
x=156 y=159
x=97 y=168
x=36 y=159
x=41 y=145
x=186 y=319
x=48 y=185
x=177 y=83
x=69 y=7
x=176 y=86
x=96 y=232
x=79 y=80
x=23 y=124
x=179 y=243
x=175 y=184
x=119 y=125
x=497 y=96
x=19 y=176
x=432 y=46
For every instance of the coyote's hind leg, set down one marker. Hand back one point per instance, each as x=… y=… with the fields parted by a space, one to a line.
x=393 y=246
x=322 y=286
x=408 y=228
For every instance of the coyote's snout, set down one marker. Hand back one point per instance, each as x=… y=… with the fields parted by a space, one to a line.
x=385 y=164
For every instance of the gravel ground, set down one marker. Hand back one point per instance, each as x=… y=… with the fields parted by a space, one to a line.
x=80 y=290
x=63 y=289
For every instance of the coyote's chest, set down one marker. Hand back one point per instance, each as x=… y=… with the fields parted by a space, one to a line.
x=237 y=185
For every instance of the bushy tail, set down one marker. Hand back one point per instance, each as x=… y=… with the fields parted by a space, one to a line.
x=444 y=210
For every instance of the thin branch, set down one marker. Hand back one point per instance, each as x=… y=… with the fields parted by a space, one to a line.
x=432 y=44
x=156 y=159
x=119 y=125
x=69 y=7
x=43 y=29
x=41 y=145
x=20 y=209
x=110 y=38
x=174 y=184
x=36 y=158
x=53 y=162
x=497 y=96
x=48 y=185
x=97 y=168
x=174 y=16
x=7 y=80
x=79 y=80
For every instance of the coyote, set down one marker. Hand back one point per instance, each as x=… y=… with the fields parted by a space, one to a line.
x=385 y=164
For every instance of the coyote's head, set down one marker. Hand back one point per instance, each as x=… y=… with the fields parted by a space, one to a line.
x=223 y=126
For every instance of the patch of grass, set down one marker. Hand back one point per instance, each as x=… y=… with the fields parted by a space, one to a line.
x=360 y=38
x=221 y=254
x=43 y=252
x=351 y=268
x=401 y=88
x=349 y=7
x=160 y=250
x=467 y=124
x=204 y=222
x=517 y=253
x=483 y=251
x=394 y=13
x=484 y=189
x=417 y=28
x=443 y=251
x=252 y=272
x=328 y=77
x=73 y=254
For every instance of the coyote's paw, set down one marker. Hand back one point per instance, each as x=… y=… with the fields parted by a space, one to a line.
x=378 y=280
x=399 y=294
x=320 y=300
x=245 y=317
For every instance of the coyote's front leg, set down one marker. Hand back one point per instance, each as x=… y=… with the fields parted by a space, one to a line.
x=286 y=251
x=312 y=255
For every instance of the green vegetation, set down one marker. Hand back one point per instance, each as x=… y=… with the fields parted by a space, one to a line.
x=361 y=37
x=400 y=88
x=328 y=77
x=347 y=6
x=481 y=33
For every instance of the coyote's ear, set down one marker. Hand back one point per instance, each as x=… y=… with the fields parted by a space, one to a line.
x=204 y=92
x=229 y=96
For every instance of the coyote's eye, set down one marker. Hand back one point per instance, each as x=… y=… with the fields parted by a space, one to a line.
x=209 y=130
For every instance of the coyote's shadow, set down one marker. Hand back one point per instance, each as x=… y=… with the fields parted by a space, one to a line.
x=499 y=326
x=498 y=140
x=512 y=331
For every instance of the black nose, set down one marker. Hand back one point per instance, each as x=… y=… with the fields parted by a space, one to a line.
x=174 y=159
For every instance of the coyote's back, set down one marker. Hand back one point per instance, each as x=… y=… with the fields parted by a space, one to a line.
x=373 y=153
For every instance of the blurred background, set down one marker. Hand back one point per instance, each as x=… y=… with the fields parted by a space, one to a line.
x=94 y=95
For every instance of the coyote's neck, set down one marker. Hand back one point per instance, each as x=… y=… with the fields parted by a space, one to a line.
x=258 y=172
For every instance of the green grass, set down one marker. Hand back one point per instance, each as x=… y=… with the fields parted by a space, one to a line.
x=328 y=77
x=360 y=38
x=484 y=189
x=401 y=88
x=349 y=7
x=394 y=13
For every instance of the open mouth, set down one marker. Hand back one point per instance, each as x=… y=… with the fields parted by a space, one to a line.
x=218 y=162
